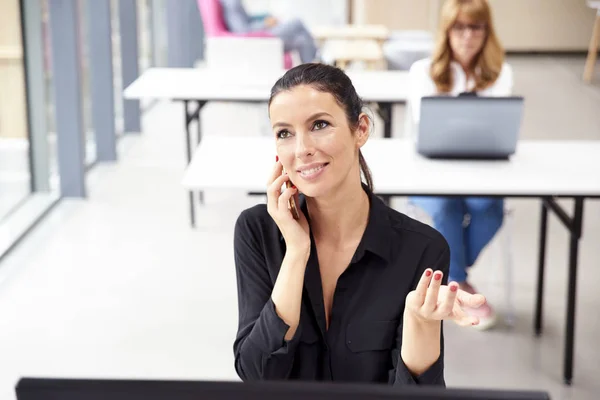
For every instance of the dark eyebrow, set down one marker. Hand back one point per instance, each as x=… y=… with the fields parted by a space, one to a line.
x=317 y=115
x=281 y=125
x=311 y=118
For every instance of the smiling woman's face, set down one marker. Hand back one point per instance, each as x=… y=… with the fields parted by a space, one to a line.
x=314 y=141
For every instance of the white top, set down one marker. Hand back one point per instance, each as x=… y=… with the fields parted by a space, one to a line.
x=231 y=84
x=539 y=168
x=422 y=85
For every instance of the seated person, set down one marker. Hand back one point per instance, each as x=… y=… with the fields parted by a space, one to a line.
x=293 y=33
x=468 y=57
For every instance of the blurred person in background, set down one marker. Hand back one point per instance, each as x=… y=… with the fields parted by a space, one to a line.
x=293 y=33
x=467 y=57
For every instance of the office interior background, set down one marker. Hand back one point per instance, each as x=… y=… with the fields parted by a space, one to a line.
x=101 y=274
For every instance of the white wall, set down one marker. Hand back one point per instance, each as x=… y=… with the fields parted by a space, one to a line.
x=522 y=25
x=311 y=12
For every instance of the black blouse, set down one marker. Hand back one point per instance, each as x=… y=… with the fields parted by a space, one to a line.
x=363 y=341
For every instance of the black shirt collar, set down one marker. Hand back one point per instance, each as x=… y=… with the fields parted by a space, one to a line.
x=377 y=236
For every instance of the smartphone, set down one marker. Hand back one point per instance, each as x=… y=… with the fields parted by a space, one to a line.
x=292 y=202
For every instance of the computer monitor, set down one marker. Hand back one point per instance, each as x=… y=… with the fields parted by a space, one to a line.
x=469 y=127
x=77 y=389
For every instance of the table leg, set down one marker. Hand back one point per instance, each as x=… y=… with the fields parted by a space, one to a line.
x=541 y=262
x=574 y=225
x=576 y=231
x=188 y=152
x=385 y=112
x=188 y=119
x=198 y=138
x=590 y=62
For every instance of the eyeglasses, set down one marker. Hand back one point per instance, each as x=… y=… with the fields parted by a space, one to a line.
x=476 y=29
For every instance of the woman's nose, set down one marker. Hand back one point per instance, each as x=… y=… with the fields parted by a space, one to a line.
x=304 y=144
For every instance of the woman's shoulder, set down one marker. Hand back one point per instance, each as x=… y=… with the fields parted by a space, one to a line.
x=256 y=226
x=503 y=85
x=506 y=69
x=417 y=231
x=254 y=219
x=421 y=66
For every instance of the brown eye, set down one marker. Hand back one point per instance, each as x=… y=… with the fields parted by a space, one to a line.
x=283 y=134
x=318 y=125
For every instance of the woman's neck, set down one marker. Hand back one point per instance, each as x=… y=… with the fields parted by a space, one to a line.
x=340 y=217
x=467 y=69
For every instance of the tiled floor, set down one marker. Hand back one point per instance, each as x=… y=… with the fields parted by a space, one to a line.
x=120 y=286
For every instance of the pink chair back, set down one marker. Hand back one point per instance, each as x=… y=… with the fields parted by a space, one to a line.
x=211 y=13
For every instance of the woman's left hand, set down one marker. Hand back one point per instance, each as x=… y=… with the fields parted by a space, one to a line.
x=432 y=301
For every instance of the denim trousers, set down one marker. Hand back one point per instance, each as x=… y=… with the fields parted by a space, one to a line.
x=466 y=241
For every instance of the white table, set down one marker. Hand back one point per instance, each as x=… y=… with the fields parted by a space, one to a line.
x=343 y=52
x=539 y=169
x=348 y=43
x=351 y=32
x=201 y=85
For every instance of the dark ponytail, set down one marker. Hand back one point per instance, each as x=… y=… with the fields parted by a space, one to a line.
x=328 y=79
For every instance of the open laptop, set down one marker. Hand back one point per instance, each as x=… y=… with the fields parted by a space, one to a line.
x=72 y=389
x=469 y=126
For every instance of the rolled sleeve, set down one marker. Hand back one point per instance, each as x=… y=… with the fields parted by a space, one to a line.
x=269 y=332
x=264 y=353
x=433 y=376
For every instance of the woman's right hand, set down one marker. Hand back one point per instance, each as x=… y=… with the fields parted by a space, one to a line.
x=295 y=232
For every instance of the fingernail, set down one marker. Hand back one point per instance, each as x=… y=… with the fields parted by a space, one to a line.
x=276 y=158
x=453 y=288
x=428 y=273
x=437 y=277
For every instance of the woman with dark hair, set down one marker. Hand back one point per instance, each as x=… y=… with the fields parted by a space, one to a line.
x=351 y=290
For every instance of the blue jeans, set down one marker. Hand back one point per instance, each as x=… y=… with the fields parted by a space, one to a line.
x=466 y=242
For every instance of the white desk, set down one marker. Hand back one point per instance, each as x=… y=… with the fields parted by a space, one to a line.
x=348 y=43
x=351 y=32
x=343 y=52
x=539 y=169
x=201 y=85
x=398 y=170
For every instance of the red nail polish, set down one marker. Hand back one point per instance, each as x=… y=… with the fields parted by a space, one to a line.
x=294 y=187
x=437 y=277
x=428 y=273
x=453 y=288
x=276 y=158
